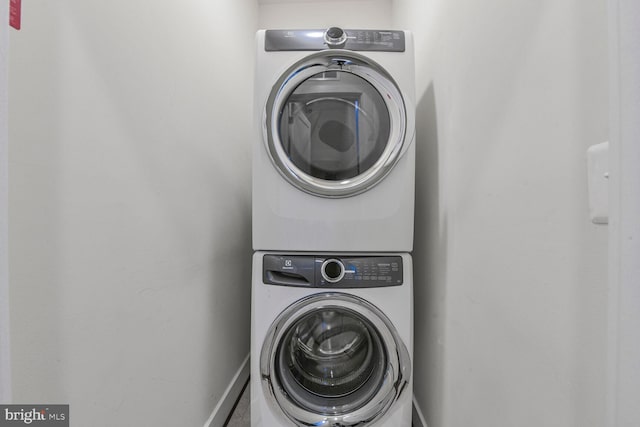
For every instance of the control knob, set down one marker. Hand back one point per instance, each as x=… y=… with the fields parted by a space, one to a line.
x=332 y=270
x=335 y=37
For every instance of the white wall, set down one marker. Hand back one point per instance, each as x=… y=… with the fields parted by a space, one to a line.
x=511 y=289
x=5 y=371
x=130 y=206
x=323 y=14
x=624 y=273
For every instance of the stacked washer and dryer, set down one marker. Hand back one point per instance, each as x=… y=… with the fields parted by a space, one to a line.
x=333 y=203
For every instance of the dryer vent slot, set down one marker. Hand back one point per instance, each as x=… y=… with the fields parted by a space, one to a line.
x=286 y=279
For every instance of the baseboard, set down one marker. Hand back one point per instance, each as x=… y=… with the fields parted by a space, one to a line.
x=417 y=419
x=230 y=396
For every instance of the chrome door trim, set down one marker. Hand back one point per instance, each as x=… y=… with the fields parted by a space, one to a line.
x=343 y=61
x=397 y=371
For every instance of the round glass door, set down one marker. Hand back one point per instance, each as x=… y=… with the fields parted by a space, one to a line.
x=333 y=356
x=335 y=124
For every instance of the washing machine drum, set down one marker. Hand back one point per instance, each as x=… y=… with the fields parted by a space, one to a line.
x=335 y=124
x=333 y=360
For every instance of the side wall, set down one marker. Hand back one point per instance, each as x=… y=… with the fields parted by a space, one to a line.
x=5 y=368
x=130 y=206
x=624 y=247
x=511 y=276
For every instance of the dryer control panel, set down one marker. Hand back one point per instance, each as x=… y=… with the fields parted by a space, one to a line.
x=334 y=37
x=336 y=272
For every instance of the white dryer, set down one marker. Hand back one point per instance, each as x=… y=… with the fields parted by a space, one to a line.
x=334 y=151
x=331 y=340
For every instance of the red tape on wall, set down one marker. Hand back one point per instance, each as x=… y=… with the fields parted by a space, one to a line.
x=15 y=13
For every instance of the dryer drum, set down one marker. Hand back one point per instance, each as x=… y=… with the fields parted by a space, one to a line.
x=335 y=135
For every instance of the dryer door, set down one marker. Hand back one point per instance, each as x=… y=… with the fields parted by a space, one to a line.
x=333 y=359
x=335 y=124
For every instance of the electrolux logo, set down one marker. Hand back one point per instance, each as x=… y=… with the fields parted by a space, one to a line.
x=37 y=415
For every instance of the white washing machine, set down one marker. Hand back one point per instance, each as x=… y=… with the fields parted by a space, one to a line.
x=334 y=151
x=331 y=340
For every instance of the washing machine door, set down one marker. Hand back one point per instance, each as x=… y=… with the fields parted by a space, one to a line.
x=335 y=124
x=333 y=359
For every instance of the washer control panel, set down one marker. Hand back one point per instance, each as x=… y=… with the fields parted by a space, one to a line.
x=334 y=37
x=317 y=271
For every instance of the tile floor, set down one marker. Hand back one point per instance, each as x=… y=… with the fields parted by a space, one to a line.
x=241 y=415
